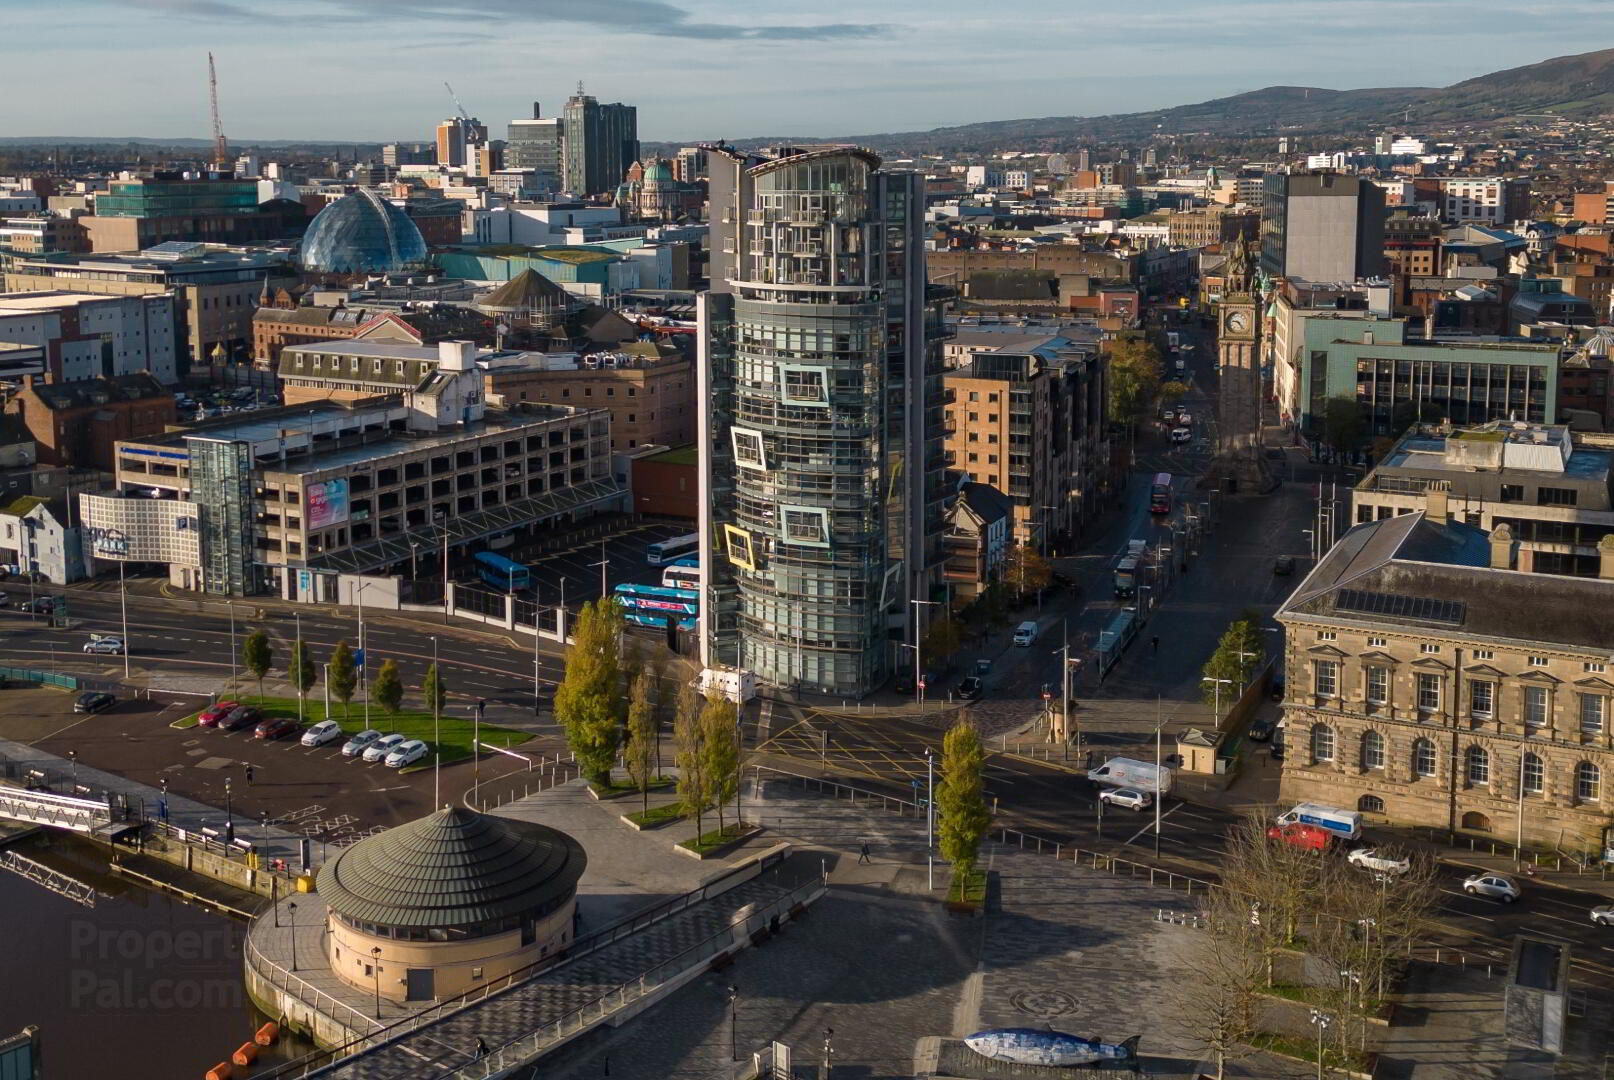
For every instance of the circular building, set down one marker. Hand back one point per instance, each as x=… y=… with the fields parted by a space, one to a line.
x=447 y=903
x=362 y=233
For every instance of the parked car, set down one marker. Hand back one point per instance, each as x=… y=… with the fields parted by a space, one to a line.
x=244 y=716
x=1275 y=752
x=42 y=605
x=1131 y=798
x=1185 y=418
x=1378 y=861
x=1169 y=413
x=361 y=742
x=107 y=645
x=1603 y=916
x=969 y=688
x=1496 y=886
x=274 y=727
x=214 y=714
x=92 y=701
x=1283 y=565
x=406 y=753
x=5 y=601
x=321 y=733
x=382 y=747
x=1181 y=434
x=1260 y=730
x=903 y=683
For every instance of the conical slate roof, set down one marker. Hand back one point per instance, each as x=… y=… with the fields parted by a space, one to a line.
x=453 y=868
x=527 y=291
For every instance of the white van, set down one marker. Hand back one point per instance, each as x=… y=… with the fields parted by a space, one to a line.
x=1025 y=633
x=1131 y=773
x=1346 y=823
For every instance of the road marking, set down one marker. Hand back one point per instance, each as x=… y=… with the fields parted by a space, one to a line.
x=1150 y=824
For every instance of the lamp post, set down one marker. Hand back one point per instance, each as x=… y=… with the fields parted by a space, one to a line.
x=1159 y=765
x=72 y=756
x=123 y=602
x=437 y=706
x=297 y=663
x=229 y=825
x=734 y=1022
x=476 y=753
x=1320 y=1020
x=930 y=819
x=233 y=660
x=414 y=552
x=375 y=969
x=918 y=678
x=602 y=564
x=291 y=909
x=364 y=654
x=829 y=1051
x=1219 y=683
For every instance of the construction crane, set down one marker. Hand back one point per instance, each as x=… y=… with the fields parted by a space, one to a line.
x=463 y=114
x=221 y=148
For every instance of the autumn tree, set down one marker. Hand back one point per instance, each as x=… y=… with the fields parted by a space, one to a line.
x=962 y=818
x=588 y=702
x=689 y=747
x=1134 y=379
x=1026 y=571
x=257 y=656
x=433 y=690
x=942 y=639
x=720 y=745
x=639 y=753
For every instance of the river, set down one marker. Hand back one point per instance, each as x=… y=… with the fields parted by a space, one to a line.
x=143 y=985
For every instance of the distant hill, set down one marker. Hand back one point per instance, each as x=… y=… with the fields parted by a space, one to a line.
x=1570 y=85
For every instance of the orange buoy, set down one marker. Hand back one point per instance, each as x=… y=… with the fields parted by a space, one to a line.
x=267 y=1034
x=222 y=1071
x=245 y=1054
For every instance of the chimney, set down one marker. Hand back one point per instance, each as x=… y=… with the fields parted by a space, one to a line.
x=1605 y=557
x=1502 y=547
x=1435 y=497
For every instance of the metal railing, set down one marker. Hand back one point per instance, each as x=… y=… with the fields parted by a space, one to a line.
x=523 y=1050
x=47 y=678
x=59 y=811
x=310 y=995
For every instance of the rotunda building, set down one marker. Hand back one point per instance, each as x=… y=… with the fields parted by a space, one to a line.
x=453 y=901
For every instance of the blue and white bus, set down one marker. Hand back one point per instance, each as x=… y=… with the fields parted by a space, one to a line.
x=683 y=574
x=666 y=551
x=657 y=598
x=658 y=620
x=501 y=573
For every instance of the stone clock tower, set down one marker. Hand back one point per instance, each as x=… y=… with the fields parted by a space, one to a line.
x=1238 y=449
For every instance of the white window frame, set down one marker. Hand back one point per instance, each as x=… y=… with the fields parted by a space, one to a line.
x=1477 y=766
x=815 y=513
x=743 y=458
x=1490 y=707
x=1529 y=699
x=1424 y=680
x=1533 y=775
x=1424 y=749
x=1383 y=697
x=1588 y=790
x=1601 y=722
x=1373 y=751
x=788 y=398
x=1325 y=671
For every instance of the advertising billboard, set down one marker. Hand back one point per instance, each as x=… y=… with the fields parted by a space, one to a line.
x=327 y=504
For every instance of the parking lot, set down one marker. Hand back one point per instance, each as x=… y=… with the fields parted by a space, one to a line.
x=574 y=566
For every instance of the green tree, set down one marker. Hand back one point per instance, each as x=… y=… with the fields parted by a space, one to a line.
x=1134 y=379
x=690 y=751
x=1237 y=658
x=433 y=690
x=388 y=690
x=720 y=746
x=1025 y=571
x=961 y=801
x=302 y=673
x=942 y=639
x=639 y=755
x=257 y=656
x=1343 y=423
x=342 y=675
x=588 y=702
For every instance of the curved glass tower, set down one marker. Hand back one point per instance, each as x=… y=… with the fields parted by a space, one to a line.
x=822 y=378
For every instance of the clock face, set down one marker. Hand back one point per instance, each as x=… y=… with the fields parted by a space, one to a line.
x=1238 y=322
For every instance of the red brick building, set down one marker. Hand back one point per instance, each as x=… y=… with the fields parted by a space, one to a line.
x=666 y=484
x=78 y=423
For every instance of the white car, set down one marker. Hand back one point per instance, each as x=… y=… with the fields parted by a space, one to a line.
x=1496 y=886
x=108 y=645
x=1377 y=861
x=406 y=754
x=361 y=742
x=1181 y=434
x=382 y=747
x=1185 y=418
x=1131 y=798
x=1603 y=916
x=321 y=733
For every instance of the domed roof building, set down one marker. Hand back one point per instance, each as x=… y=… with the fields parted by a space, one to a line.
x=449 y=902
x=362 y=233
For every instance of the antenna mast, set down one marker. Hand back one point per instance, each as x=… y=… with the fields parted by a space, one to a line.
x=221 y=148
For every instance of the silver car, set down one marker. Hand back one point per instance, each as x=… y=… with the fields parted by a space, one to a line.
x=1603 y=916
x=359 y=743
x=1496 y=886
x=1131 y=798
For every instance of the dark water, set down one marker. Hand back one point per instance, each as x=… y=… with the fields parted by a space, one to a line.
x=142 y=985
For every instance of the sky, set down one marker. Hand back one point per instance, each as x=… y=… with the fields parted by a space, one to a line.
x=373 y=70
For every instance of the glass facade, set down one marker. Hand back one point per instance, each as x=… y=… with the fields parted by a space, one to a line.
x=362 y=233
x=177 y=198
x=221 y=487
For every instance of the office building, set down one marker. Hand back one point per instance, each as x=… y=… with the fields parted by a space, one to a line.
x=455 y=137
x=85 y=336
x=536 y=143
x=599 y=143
x=1551 y=489
x=1486 y=200
x=1430 y=684
x=822 y=487
x=401 y=456
x=144 y=212
x=1322 y=227
x=395 y=154
x=273 y=329
x=651 y=397
x=43 y=233
x=1412 y=245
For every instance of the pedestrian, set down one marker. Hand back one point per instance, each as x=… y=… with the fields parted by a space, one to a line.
x=1154 y=644
x=249 y=772
x=863 y=853
x=481 y=1049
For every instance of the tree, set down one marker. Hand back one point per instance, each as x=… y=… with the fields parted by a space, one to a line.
x=1025 y=571
x=1134 y=379
x=1222 y=974
x=387 y=691
x=433 y=690
x=720 y=746
x=588 y=702
x=1343 y=422
x=1173 y=391
x=1237 y=658
x=257 y=655
x=639 y=755
x=942 y=639
x=302 y=673
x=961 y=802
x=342 y=676
x=688 y=746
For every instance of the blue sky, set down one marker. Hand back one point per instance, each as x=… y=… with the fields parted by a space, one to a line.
x=707 y=69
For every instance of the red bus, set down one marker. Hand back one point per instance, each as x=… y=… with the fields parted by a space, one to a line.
x=1160 y=494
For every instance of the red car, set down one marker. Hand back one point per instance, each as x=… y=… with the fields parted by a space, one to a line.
x=211 y=716
x=1309 y=837
x=276 y=727
x=243 y=716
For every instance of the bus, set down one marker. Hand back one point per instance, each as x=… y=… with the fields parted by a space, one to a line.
x=666 y=551
x=657 y=598
x=658 y=620
x=683 y=574
x=501 y=573
x=1160 y=494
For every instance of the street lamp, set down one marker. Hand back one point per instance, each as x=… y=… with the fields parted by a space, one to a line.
x=414 y=552
x=602 y=564
x=297 y=665
x=918 y=679
x=829 y=1051
x=375 y=969
x=1320 y=1020
x=364 y=654
x=229 y=825
x=233 y=660
x=291 y=909
x=734 y=1022
x=437 y=706
x=930 y=819
x=123 y=602
x=1219 y=683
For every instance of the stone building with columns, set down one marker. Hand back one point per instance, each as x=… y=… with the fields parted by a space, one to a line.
x=1430 y=682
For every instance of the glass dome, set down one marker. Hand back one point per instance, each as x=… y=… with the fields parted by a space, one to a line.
x=362 y=233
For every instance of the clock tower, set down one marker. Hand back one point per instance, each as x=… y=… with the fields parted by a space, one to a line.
x=1238 y=351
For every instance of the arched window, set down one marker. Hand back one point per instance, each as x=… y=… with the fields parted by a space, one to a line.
x=1372 y=750
x=1476 y=821
x=1423 y=758
x=1322 y=743
x=1534 y=775
x=1479 y=765
x=1588 y=782
x=1370 y=804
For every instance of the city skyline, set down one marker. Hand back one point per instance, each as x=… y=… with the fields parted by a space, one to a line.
x=867 y=74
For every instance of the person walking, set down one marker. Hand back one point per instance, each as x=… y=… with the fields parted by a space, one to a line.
x=481 y=1048
x=863 y=853
x=249 y=772
x=1154 y=644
